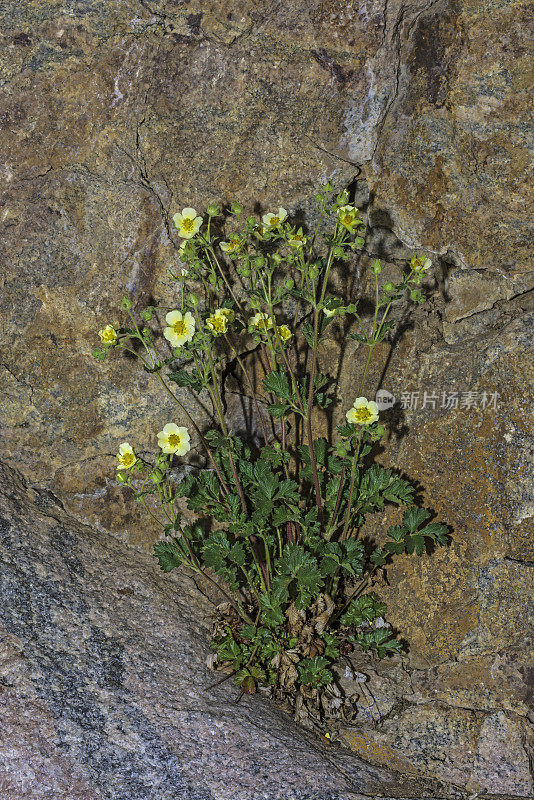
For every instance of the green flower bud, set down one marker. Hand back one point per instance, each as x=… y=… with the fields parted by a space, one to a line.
x=147 y=314
x=328 y=187
x=236 y=208
x=212 y=210
x=126 y=303
x=289 y=283
x=318 y=198
x=193 y=299
x=389 y=287
x=156 y=476
x=415 y=295
x=376 y=266
x=121 y=477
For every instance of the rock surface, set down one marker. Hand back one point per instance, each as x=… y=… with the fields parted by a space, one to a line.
x=105 y=690
x=115 y=114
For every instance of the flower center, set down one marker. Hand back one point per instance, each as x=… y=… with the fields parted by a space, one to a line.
x=363 y=415
x=348 y=219
x=179 y=327
x=275 y=220
x=174 y=440
x=218 y=324
x=128 y=459
x=188 y=224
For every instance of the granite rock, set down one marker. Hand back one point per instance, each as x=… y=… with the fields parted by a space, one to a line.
x=114 y=115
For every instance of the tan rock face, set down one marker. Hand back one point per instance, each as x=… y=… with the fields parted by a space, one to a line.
x=116 y=114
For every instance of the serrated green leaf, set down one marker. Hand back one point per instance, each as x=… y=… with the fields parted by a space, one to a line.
x=168 y=555
x=414 y=517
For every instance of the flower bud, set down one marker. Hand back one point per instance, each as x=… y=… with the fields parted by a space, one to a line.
x=376 y=266
x=121 y=477
x=147 y=314
x=389 y=287
x=416 y=296
x=156 y=476
x=289 y=283
x=236 y=208
x=126 y=303
x=193 y=299
x=212 y=210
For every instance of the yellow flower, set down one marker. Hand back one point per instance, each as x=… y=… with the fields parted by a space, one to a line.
x=125 y=456
x=348 y=217
x=173 y=439
x=228 y=313
x=420 y=264
x=363 y=412
x=284 y=333
x=187 y=223
x=231 y=246
x=181 y=328
x=297 y=240
x=271 y=220
x=217 y=323
x=261 y=321
x=108 y=335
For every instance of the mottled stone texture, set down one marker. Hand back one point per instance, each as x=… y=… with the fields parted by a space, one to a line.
x=115 y=114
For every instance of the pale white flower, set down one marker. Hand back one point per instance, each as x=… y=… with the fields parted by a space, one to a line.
x=187 y=223
x=126 y=456
x=174 y=439
x=272 y=220
x=181 y=328
x=261 y=321
x=363 y=412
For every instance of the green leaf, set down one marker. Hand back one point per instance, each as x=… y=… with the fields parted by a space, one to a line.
x=314 y=672
x=365 y=608
x=168 y=555
x=271 y=612
x=416 y=543
x=414 y=517
x=278 y=410
x=185 y=379
x=436 y=531
x=308 y=333
x=277 y=383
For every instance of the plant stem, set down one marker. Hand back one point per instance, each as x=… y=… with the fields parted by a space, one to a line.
x=351 y=490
